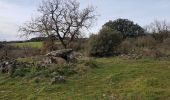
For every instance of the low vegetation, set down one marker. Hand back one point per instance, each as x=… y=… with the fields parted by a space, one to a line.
x=114 y=78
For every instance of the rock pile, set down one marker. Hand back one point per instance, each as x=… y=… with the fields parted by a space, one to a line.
x=56 y=57
x=6 y=66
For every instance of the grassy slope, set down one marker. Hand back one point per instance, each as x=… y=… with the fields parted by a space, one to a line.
x=31 y=44
x=145 y=79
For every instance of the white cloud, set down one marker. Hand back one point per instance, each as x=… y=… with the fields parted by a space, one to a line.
x=11 y=17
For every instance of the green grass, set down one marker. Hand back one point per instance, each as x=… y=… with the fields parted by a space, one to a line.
x=145 y=79
x=30 y=44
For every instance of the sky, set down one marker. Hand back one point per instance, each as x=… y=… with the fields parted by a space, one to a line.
x=13 y=13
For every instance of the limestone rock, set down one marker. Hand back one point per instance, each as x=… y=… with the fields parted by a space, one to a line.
x=60 y=56
x=58 y=60
x=60 y=53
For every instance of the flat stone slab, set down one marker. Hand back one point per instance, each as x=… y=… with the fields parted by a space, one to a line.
x=60 y=53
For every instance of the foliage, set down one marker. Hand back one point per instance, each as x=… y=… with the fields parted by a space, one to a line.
x=21 y=72
x=145 y=41
x=104 y=43
x=145 y=46
x=127 y=46
x=38 y=39
x=126 y=27
x=160 y=37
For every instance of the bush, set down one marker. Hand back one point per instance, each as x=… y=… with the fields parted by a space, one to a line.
x=160 y=37
x=21 y=72
x=164 y=47
x=104 y=43
x=67 y=69
x=145 y=41
x=127 y=46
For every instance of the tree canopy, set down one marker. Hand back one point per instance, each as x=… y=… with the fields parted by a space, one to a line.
x=104 y=43
x=126 y=27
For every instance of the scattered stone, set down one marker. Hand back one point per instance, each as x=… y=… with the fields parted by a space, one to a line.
x=8 y=66
x=132 y=56
x=64 y=53
x=58 y=79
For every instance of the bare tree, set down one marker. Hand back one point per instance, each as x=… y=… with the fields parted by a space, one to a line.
x=158 y=27
x=160 y=30
x=62 y=18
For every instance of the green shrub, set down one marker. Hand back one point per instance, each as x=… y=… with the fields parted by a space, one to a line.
x=67 y=69
x=127 y=27
x=21 y=72
x=104 y=43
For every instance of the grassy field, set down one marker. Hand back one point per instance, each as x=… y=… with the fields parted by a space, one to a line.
x=115 y=78
x=30 y=44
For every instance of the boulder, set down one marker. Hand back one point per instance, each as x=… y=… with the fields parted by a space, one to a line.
x=58 y=60
x=60 y=53
x=6 y=67
x=60 y=56
x=47 y=60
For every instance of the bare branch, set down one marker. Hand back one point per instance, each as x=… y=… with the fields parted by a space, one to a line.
x=62 y=18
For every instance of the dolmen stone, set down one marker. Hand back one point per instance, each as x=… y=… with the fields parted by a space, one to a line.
x=60 y=56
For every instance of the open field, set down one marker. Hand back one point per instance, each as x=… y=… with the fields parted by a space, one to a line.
x=30 y=44
x=144 y=79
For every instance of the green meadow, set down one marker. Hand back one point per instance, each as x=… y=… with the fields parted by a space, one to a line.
x=28 y=44
x=115 y=78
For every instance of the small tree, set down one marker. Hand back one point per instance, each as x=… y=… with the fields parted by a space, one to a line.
x=160 y=30
x=158 y=27
x=126 y=27
x=105 y=42
x=62 y=18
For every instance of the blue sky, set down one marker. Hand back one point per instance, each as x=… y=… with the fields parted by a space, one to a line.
x=14 y=13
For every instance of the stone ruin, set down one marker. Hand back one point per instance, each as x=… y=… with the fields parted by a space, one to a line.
x=7 y=65
x=60 y=57
x=55 y=57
